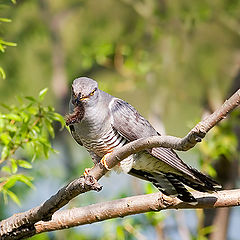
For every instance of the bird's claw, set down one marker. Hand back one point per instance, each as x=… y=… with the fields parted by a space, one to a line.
x=103 y=161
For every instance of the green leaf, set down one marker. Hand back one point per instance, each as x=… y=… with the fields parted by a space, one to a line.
x=25 y=116
x=2 y=48
x=120 y=232
x=33 y=110
x=24 y=164
x=5 y=106
x=10 y=44
x=206 y=230
x=26 y=180
x=49 y=127
x=2 y=73
x=32 y=99
x=56 y=117
x=42 y=93
x=5 y=196
x=5 y=138
x=5 y=20
x=11 y=181
x=14 y=197
x=11 y=127
x=6 y=169
x=34 y=157
x=46 y=151
x=5 y=153
x=18 y=177
x=14 y=165
x=12 y=116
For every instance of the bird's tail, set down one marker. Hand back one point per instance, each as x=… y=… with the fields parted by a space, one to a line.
x=172 y=184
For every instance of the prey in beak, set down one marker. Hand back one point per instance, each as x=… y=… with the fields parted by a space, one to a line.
x=78 y=112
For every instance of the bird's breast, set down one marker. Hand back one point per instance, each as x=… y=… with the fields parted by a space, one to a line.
x=102 y=143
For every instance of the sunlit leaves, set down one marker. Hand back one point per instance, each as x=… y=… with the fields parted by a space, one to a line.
x=220 y=142
x=4 y=44
x=2 y=73
x=42 y=94
x=203 y=233
x=24 y=128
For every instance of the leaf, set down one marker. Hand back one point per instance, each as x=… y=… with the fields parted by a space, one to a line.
x=120 y=232
x=57 y=117
x=34 y=157
x=14 y=197
x=5 y=153
x=46 y=151
x=11 y=128
x=11 y=181
x=49 y=127
x=18 y=177
x=24 y=164
x=5 y=196
x=25 y=116
x=42 y=93
x=2 y=73
x=2 y=48
x=206 y=230
x=32 y=99
x=26 y=180
x=10 y=44
x=5 y=20
x=5 y=138
x=12 y=116
x=14 y=165
x=6 y=169
x=33 y=110
x=5 y=106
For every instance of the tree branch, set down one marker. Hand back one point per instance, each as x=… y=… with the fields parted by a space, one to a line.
x=134 y=205
x=22 y=225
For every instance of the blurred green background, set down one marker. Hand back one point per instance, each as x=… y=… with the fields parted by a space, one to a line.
x=173 y=60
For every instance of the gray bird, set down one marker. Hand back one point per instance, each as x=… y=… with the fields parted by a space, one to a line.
x=101 y=123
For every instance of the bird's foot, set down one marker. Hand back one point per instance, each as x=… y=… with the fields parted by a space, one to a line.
x=103 y=161
x=86 y=172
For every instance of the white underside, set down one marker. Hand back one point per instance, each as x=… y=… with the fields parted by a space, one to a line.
x=143 y=161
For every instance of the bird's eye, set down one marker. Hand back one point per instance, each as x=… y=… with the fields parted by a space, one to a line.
x=92 y=92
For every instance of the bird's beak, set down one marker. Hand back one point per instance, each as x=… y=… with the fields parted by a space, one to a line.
x=80 y=98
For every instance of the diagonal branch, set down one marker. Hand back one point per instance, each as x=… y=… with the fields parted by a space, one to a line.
x=134 y=205
x=22 y=224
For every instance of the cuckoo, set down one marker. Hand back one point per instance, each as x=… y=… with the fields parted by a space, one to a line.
x=101 y=123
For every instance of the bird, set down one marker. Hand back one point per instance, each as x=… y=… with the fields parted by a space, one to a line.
x=101 y=123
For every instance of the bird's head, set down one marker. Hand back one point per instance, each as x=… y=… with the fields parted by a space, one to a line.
x=84 y=91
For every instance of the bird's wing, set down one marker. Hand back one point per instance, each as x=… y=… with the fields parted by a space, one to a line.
x=75 y=135
x=131 y=125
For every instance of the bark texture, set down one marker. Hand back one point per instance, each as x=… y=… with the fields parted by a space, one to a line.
x=134 y=205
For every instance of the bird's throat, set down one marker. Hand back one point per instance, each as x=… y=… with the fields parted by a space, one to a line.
x=77 y=115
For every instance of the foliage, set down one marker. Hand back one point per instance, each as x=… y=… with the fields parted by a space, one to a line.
x=24 y=133
x=220 y=142
x=164 y=57
x=4 y=44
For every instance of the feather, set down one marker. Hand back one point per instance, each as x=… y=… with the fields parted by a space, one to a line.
x=130 y=124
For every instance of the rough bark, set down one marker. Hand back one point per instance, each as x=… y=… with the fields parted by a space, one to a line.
x=134 y=205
